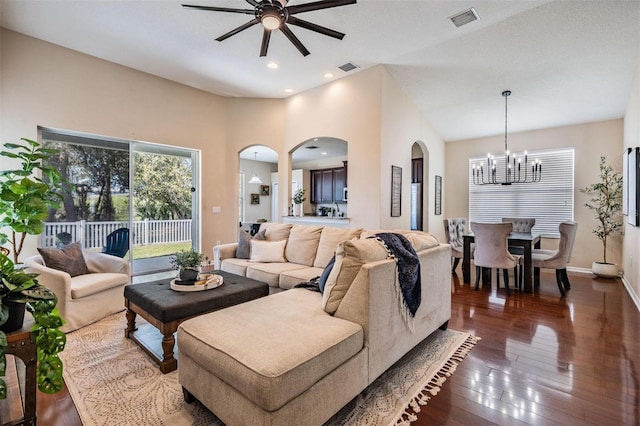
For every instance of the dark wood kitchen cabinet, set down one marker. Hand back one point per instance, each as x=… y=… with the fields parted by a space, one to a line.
x=327 y=185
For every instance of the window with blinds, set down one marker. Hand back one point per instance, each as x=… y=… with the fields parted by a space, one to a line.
x=549 y=201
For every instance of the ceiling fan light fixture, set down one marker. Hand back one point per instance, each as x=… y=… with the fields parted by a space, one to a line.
x=271 y=20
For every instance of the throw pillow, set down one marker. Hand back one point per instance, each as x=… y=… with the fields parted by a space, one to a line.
x=243 y=251
x=422 y=240
x=276 y=231
x=329 y=239
x=68 y=259
x=268 y=251
x=303 y=244
x=325 y=274
x=350 y=256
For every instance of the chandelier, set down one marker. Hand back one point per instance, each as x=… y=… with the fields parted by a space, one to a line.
x=515 y=169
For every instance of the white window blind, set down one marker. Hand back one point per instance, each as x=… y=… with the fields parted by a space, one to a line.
x=549 y=201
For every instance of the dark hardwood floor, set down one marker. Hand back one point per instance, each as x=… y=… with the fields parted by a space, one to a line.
x=542 y=360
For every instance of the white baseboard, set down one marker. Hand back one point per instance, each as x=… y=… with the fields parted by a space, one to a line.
x=632 y=294
x=627 y=285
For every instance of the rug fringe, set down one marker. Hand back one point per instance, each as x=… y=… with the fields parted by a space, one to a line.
x=435 y=384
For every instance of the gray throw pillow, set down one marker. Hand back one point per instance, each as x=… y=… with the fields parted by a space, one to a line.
x=68 y=259
x=243 y=251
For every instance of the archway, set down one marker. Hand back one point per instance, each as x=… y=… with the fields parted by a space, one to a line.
x=257 y=186
x=419 y=187
x=320 y=167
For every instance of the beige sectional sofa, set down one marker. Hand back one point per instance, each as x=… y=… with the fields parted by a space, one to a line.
x=307 y=251
x=298 y=356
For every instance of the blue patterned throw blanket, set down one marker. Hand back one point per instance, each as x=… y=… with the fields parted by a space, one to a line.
x=409 y=282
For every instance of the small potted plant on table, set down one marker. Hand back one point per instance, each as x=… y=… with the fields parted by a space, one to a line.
x=20 y=290
x=187 y=262
x=606 y=202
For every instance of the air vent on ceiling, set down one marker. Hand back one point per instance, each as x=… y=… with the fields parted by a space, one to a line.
x=463 y=18
x=348 y=66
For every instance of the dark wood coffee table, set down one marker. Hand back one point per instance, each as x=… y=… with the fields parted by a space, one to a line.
x=165 y=308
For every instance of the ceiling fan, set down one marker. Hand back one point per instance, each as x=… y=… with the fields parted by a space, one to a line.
x=275 y=15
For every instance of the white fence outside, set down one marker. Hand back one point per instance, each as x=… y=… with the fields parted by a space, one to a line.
x=94 y=234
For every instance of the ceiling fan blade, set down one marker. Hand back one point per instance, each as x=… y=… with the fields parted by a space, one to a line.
x=293 y=39
x=253 y=3
x=266 y=36
x=314 y=27
x=317 y=5
x=220 y=9
x=237 y=30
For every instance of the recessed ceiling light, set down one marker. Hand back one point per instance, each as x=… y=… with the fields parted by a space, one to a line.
x=328 y=75
x=324 y=153
x=288 y=90
x=272 y=65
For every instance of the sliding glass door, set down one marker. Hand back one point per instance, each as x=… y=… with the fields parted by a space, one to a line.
x=146 y=192
x=165 y=204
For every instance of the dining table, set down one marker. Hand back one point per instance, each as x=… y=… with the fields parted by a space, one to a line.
x=528 y=241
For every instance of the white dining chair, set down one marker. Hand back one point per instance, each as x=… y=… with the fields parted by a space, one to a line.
x=491 y=251
x=556 y=259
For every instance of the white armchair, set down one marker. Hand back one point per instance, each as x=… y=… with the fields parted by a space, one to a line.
x=87 y=298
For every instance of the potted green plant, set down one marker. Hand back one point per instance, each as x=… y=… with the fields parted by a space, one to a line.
x=27 y=193
x=606 y=203
x=19 y=290
x=299 y=198
x=187 y=262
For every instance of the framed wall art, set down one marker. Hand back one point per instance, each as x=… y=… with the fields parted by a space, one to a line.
x=438 y=206
x=264 y=190
x=396 y=191
x=255 y=198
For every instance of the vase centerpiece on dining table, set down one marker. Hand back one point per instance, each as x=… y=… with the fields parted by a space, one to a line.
x=606 y=203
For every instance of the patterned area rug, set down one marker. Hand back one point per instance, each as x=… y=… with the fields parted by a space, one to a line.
x=113 y=382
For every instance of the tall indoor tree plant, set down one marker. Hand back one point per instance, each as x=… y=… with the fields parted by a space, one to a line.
x=606 y=203
x=27 y=193
x=20 y=289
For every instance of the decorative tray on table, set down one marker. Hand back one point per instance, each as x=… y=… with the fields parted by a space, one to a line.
x=204 y=282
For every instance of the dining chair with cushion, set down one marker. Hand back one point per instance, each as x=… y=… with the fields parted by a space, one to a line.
x=521 y=224
x=556 y=259
x=454 y=229
x=491 y=250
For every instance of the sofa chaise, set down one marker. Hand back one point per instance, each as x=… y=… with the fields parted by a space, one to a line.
x=298 y=356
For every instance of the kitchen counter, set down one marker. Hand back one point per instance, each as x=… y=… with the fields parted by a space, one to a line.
x=337 y=222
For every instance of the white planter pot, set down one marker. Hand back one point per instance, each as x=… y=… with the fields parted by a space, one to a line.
x=605 y=270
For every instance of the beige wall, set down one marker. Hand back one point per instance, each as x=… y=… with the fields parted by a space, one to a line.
x=47 y=85
x=590 y=141
x=402 y=126
x=249 y=122
x=631 y=245
x=380 y=124
x=347 y=109
x=51 y=86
